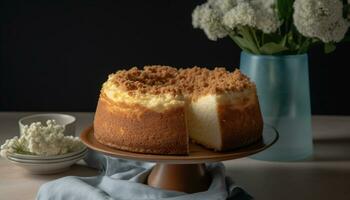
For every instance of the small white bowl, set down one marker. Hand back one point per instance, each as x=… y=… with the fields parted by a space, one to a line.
x=46 y=168
x=68 y=121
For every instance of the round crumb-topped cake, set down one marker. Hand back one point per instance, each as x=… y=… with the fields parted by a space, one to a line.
x=160 y=109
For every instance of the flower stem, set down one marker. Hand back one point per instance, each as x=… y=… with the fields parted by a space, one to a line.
x=255 y=38
x=263 y=38
x=250 y=39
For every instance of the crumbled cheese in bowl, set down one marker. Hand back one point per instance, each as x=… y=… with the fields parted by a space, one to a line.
x=38 y=139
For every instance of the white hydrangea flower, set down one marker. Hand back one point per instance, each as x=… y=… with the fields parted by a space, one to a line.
x=256 y=14
x=217 y=17
x=223 y=6
x=4 y=148
x=243 y=14
x=209 y=20
x=42 y=140
x=321 y=19
x=9 y=146
x=267 y=21
x=267 y=5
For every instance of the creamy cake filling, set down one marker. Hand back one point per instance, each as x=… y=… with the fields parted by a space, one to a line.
x=202 y=115
x=203 y=122
x=158 y=103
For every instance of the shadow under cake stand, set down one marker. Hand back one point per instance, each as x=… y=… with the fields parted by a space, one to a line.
x=185 y=173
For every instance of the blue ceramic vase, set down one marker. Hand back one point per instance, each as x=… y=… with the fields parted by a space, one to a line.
x=283 y=89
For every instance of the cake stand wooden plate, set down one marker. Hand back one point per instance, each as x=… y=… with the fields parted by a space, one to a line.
x=184 y=173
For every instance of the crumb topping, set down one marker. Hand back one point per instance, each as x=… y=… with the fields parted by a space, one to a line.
x=150 y=79
x=198 y=81
x=191 y=82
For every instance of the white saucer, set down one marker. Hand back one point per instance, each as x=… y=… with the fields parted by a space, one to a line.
x=42 y=161
x=48 y=167
x=36 y=157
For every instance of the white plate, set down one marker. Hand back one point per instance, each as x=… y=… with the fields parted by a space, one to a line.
x=35 y=157
x=46 y=168
x=46 y=161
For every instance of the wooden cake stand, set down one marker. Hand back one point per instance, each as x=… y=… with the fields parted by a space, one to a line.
x=185 y=173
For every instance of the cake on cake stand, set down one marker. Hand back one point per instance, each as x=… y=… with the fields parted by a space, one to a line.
x=186 y=173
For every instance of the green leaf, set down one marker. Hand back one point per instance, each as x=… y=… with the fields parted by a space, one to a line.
x=304 y=47
x=272 y=48
x=245 y=40
x=247 y=35
x=272 y=37
x=243 y=44
x=283 y=41
x=329 y=47
x=239 y=42
x=285 y=9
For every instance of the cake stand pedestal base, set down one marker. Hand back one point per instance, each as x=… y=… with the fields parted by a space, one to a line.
x=185 y=173
x=189 y=178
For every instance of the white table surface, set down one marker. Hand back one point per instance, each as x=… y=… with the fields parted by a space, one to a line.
x=326 y=176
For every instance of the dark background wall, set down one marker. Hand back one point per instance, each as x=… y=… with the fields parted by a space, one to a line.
x=56 y=55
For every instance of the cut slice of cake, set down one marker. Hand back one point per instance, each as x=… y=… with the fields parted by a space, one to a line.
x=223 y=112
x=226 y=121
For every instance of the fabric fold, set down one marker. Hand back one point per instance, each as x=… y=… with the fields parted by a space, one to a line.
x=124 y=180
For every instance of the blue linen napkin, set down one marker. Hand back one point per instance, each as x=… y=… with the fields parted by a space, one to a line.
x=123 y=180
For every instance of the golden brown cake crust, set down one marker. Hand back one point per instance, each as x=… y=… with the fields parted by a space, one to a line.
x=138 y=129
x=240 y=126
